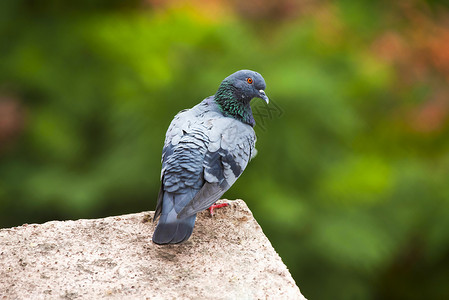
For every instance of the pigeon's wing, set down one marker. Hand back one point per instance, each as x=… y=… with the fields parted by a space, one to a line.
x=182 y=158
x=158 y=210
x=230 y=147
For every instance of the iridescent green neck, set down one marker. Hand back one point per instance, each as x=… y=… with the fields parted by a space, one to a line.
x=232 y=104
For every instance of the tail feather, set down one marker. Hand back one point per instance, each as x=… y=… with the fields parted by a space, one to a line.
x=173 y=231
x=170 y=229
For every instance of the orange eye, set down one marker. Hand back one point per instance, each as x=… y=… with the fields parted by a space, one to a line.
x=249 y=80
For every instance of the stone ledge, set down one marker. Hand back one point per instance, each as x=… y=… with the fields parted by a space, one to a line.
x=227 y=257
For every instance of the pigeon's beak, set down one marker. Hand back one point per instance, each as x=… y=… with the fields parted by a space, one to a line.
x=263 y=96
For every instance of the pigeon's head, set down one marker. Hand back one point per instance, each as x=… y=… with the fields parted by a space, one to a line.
x=235 y=93
x=247 y=85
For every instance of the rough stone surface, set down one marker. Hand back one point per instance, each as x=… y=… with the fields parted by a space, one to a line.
x=227 y=257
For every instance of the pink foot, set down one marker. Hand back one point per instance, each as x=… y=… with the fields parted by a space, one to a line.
x=214 y=206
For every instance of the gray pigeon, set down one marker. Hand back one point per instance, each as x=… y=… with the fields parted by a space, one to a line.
x=206 y=149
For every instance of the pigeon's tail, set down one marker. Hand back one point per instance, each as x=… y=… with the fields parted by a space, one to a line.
x=173 y=231
x=170 y=229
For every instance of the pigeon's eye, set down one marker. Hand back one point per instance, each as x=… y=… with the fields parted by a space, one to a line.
x=249 y=80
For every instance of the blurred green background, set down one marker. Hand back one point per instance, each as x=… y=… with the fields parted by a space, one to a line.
x=351 y=180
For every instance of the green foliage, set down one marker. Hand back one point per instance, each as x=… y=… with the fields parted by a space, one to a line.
x=352 y=200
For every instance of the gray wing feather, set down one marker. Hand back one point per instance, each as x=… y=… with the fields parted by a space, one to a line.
x=204 y=153
x=158 y=210
x=208 y=195
x=228 y=154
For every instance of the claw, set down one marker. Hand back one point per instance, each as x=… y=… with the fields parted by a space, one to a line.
x=214 y=206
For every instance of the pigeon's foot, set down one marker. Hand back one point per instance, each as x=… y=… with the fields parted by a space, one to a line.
x=214 y=206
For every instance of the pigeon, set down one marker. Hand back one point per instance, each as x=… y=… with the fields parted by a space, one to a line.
x=206 y=149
